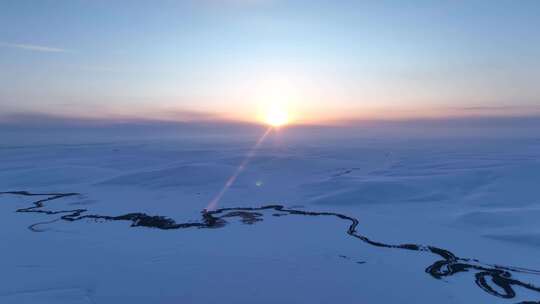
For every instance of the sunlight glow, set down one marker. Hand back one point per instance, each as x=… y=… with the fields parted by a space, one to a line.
x=276 y=116
x=276 y=97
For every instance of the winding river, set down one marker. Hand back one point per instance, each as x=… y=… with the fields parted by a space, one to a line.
x=497 y=280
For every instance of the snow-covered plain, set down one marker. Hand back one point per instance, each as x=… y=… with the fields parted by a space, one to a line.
x=471 y=190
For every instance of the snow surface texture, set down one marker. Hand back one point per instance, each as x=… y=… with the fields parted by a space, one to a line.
x=315 y=217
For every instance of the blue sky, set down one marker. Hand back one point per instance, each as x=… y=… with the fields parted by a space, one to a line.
x=323 y=59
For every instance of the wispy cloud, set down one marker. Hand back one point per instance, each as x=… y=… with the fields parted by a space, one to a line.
x=33 y=47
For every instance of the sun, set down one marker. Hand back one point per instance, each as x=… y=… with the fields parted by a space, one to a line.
x=276 y=116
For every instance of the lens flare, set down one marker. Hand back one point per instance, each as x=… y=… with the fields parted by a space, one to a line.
x=230 y=181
